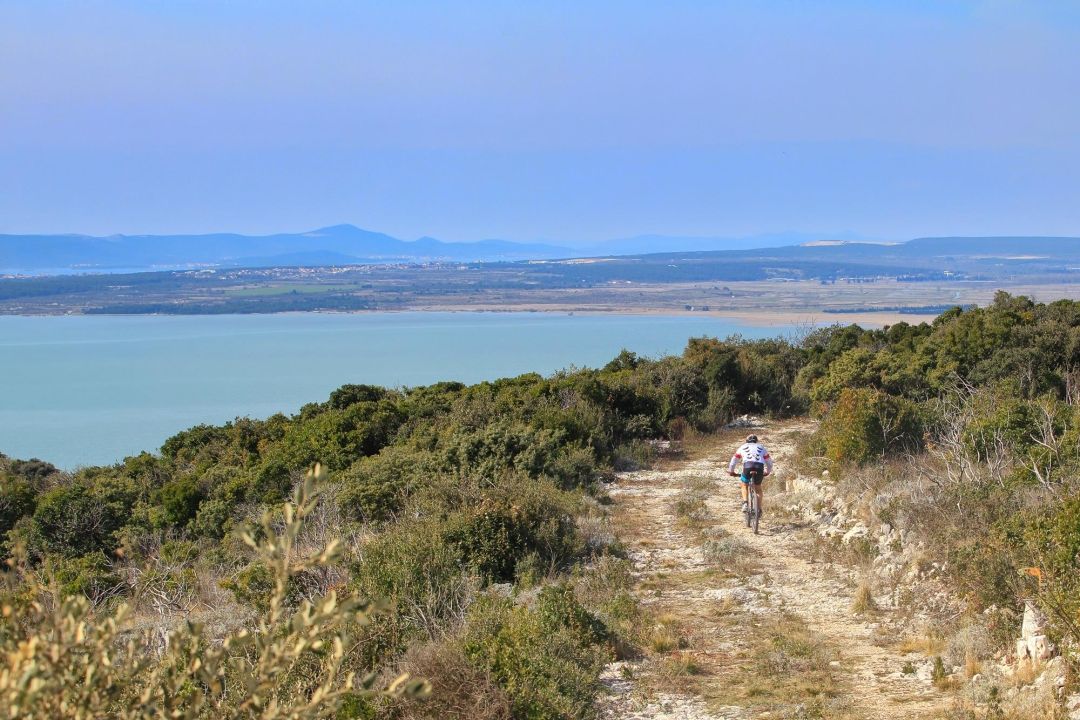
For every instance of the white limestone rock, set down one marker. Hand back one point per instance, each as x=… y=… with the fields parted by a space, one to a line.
x=857 y=531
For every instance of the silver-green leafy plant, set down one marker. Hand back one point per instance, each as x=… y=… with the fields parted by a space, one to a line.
x=61 y=660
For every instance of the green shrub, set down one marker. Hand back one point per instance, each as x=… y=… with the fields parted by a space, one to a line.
x=512 y=523
x=179 y=499
x=340 y=437
x=33 y=470
x=558 y=608
x=253 y=586
x=1000 y=422
x=631 y=456
x=347 y=395
x=546 y=669
x=605 y=588
x=491 y=540
x=268 y=483
x=74 y=520
x=212 y=519
x=90 y=576
x=374 y=488
x=17 y=500
x=1053 y=544
x=865 y=425
x=422 y=579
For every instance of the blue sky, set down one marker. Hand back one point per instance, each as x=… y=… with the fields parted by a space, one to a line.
x=528 y=120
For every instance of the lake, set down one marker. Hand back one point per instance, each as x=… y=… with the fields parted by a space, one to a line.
x=85 y=390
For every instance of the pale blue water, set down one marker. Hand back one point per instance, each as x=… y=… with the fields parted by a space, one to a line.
x=87 y=390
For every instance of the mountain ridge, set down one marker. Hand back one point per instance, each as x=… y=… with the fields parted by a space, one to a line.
x=346 y=244
x=341 y=243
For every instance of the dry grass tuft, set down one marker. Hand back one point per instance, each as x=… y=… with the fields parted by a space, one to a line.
x=459 y=689
x=864 y=602
x=928 y=645
x=665 y=635
x=690 y=509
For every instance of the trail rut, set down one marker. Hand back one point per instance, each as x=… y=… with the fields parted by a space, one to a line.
x=764 y=632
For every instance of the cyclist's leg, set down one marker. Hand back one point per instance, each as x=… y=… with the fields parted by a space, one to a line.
x=744 y=488
x=759 y=477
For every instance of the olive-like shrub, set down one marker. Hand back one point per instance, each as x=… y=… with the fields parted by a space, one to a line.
x=60 y=660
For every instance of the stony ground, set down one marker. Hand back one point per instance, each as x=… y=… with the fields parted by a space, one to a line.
x=749 y=625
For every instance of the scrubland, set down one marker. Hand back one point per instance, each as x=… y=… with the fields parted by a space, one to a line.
x=473 y=541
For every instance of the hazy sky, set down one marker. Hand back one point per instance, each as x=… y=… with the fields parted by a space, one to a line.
x=530 y=120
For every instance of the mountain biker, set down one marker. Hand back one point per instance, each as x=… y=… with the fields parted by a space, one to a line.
x=756 y=464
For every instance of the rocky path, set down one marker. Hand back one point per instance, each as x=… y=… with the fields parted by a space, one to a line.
x=748 y=626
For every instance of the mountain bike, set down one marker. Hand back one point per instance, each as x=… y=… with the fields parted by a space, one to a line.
x=753 y=509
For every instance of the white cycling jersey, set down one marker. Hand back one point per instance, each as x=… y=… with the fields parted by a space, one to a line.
x=751 y=452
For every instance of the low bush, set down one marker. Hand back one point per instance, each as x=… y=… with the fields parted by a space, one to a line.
x=421 y=577
x=604 y=588
x=374 y=489
x=864 y=601
x=727 y=552
x=546 y=668
x=90 y=576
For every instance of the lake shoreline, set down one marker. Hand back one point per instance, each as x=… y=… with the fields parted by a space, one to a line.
x=764 y=318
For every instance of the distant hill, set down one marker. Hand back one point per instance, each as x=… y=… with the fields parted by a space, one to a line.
x=349 y=245
x=334 y=245
x=339 y=244
x=649 y=244
x=922 y=259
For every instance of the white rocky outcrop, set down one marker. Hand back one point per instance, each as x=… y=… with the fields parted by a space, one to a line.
x=857 y=531
x=1033 y=644
x=1072 y=706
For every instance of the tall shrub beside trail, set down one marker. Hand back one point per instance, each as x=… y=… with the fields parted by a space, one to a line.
x=865 y=424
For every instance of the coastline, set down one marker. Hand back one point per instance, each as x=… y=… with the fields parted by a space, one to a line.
x=758 y=318
x=765 y=318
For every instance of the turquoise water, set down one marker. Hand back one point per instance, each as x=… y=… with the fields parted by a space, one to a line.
x=87 y=390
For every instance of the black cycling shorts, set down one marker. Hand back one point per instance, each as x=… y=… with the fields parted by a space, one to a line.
x=753 y=472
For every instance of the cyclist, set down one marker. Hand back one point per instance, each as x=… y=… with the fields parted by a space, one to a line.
x=756 y=464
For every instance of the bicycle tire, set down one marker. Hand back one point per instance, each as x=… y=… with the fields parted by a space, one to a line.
x=757 y=517
x=747 y=512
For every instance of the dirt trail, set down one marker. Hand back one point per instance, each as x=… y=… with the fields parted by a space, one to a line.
x=716 y=670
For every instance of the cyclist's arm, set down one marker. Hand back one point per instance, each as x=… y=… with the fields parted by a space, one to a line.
x=734 y=461
x=768 y=463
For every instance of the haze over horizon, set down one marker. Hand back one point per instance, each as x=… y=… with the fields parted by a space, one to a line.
x=540 y=123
